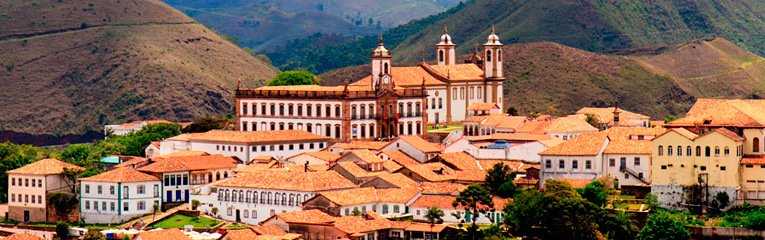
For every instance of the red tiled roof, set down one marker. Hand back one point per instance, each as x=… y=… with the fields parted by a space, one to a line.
x=606 y=115
x=576 y=183
x=585 y=144
x=511 y=137
x=287 y=180
x=398 y=180
x=420 y=144
x=391 y=166
x=460 y=160
x=753 y=159
x=46 y=166
x=184 y=153
x=269 y=230
x=400 y=157
x=369 y=145
x=257 y=136
x=130 y=162
x=324 y=155
x=728 y=133
x=445 y=202
x=121 y=175
x=512 y=122
x=534 y=127
x=622 y=143
x=441 y=187
x=312 y=216
x=355 y=170
x=257 y=166
x=366 y=156
x=479 y=106
x=406 y=76
x=164 y=234
x=494 y=119
x=722 y=112
x=242 y=234
x=570 y=124
x=370 y=195
x=192 y=163
x=22 y=236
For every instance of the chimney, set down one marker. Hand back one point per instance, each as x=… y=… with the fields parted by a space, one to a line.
x=616 y=114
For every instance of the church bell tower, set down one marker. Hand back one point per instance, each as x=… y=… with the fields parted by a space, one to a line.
x=380 y=64
x=445 y=54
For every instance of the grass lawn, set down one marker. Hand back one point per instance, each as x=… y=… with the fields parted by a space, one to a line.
x=236 y=226
x=448 y=128
x=174 y=222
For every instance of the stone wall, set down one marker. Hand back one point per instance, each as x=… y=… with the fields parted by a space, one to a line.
x=74 y=215
x=16 y=213
x=677 y=196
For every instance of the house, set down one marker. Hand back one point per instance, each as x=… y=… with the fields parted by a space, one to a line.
x=389 y=202
x=342 y=148
x=508 y=146
x=246 y=145
x=398 y=157
x=563 y=127
x=480 y=108
x=259 y=233
x=615 y=117
x=395 y=180
x=179 y=174
x=438 y=172
x=126 y=128
x=355 y=172
x=253 y=197
x=317 y=225
x=152 y=150
x=313 y=158
x=365 y=159
x=118 y=195
x=23 y=236
x=420 y=207
x=29 y=186
x=164 y=234
x=622 y=153
x=112 y=160
x=415 y=147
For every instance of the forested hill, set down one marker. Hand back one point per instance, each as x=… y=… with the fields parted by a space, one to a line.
x=593 y=25
x=71 y=66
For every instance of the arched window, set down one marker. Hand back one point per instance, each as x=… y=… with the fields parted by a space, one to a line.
x=688 y=151
x=263 y=197
x=225 y=174
x=254 y=214
x=660 y=151
x=698 y=151
x=276 y=198
x=669 y=150
x=284 y=199
x=385 y=209
x=255 y=197
x=227 y=194
x=708 y=151
x=499 y=55
x=717 y=151
x=292 y=199
x=440 y=55
x=268 y=199
x=679 y=151
x=488 y=55
x=297 y=199
x=221 y=193
x=217 y=176
x=305 y=197
x=241 y=196
x=233 y=196
x=756 y=145
x=249 y=197
x=396 y=209
x=726 y=151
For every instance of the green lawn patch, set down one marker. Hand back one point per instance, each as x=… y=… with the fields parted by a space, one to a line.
x=236 y=226
x=178 y=221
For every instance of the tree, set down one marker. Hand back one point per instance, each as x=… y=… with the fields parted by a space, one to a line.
x=194 y=204
x=662 y=225
x=556 y=190
x=205 y=125
x=476 y=200
x=574 y=217
x=434 y=215
x=294 y=78
x=71 y=174
x=594 y=192
x=13 y=156
x=497 y=175
x=356 y=212
x=62 y=230
x=651 y=200
x=63 y=203
x=156 y=210
x=670 y=119
x=525 y=211
x=506 y=190
x=620 y=225
x=512 y=111
x=93 y=234
x=214 y=211
x=591 y=119
x=722 y=199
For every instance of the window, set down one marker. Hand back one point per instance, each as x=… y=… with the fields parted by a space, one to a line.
x=229 y=211
x=440 y=55
x=612 y=162
x=244 y=108
x=13 y=182
x=318 y=110
x=87 y=188
x=111 y=190
x=246 y=214
x=717 y=151
x=112 y=206
x=263 y=109
x=488 y=55
x=126 y=192
x=575 y=164
x=703 y=168
x=440 y=104
x=142 y=189
x=561 y=164
x=13 y=197
x=707 y=151
x=755 y=145
x=39 y=183
x=637 y=161
x=385 y=209
x=669 y=151
x=548 y=164
x=726 y=151
x=688 y=151
x=156 y=190
x=87 y=205
x=254 y=214
x=479 y=92
x=347 y=212
x=750 y=166
x=337 y=111
x=722 y=168
x=126 y=207
x=308 y=110
x=698 y=151
x=454 y=93
x=660 y=151
x=663 y=167
x=99 y=189
x=26 y=182
x=396 y=209
x=588 y=165
x=281 y=110
x=679 y=151
x=433 y=103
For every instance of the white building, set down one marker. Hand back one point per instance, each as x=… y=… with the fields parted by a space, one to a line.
x=246 y=145
x=180 y=174
x=125 y=128
x=414 y=146
x=388 y=202
x=118 y=195
x=509 y=146
x=28 y=188
x=621 y=153
x=253 y=197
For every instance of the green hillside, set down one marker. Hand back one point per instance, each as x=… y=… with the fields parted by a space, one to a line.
x=593 y=25
x=263 y=25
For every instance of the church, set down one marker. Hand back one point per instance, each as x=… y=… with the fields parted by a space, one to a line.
x=391 y=102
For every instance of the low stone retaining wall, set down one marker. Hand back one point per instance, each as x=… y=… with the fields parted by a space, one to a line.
x=190 y=213
x=715 y=233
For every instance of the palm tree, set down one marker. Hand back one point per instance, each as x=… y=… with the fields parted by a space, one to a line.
x=434 y=215
x=621 y=225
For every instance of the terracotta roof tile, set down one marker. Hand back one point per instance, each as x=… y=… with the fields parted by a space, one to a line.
x=460 y=160
x=164 y=234
x=312 y=216
x=366 y=156
x=606 y=115
x=371 y=195
x=46 y=166
x=441 y=187
x=445 y=202
x=369 y=145
x=534 y=127
x=355 y=170
x=398 y=180
x=242 y=234
x=494 y=119
x=400 y=157
x=516 y=137
x=269 y=230
x=286 y=180
x=391 y=166
x=479 y=106
x=753 y=159
x=22 y=236
x=514 y=165
x=324 y=155
x=479 y=118
x=406 y=77
x=193 y=163
x=512 y=122
x=311 y=168
x=184 y=153
x=735 y=112
x=728 y=133
x=570 y=124
x=257 y=136
x=433 y=172
x=623 y=142
x=470 y=175
x=183 y=137
x=120 y=175
x=585 y=144
x=257 y=166
x=421 y=144
x=683 y=132
x=354 y=225
x=423 y=227
x=131 y=162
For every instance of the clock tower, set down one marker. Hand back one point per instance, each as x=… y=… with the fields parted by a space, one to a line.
x=380 y=64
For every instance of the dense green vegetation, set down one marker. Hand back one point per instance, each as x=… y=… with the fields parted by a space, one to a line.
x=88 y=155
x=594 y=25
x=294 y=78
x=179 y=220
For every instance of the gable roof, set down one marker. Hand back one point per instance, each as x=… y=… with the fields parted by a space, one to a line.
x=683 y=132
x=241 y=234
x=460 y=160
x=396 y=179
x=585 y=144
x=622 y=141
x=324 y=155
x=184 y=153
x=164 y=234
x=724 y=112
x=576 y=182
x=46 y=166
x=400 y=157
x=257 y=166
x=370 y=195
x=419 y=143
x=480 y=106
x=606 y=115
x=570 y=124
x=190 y=163
x=534 y=127
x=257 y=136
x=432 y=172
x=22 y=236
x=441 y=188
x=366 y=156
x=312 y=216
x=432 y=75
x=268 y=230
x=288 y=180
x=391 y=166
x=728 y=133
x=355 y=170
x=120 y=175
x=512 y=122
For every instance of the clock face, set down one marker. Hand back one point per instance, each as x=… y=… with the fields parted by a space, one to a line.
x=386 y=79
